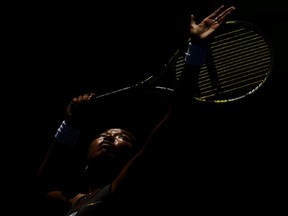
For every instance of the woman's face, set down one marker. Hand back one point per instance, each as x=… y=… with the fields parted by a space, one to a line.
x=113 y=142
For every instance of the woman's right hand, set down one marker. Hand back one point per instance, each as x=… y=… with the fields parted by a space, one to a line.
x=79 y=110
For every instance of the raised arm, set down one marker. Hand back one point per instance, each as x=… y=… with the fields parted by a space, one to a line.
x=179 y=112
x=59 y=175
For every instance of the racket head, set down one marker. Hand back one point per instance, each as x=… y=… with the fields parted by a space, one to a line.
x=239 y=62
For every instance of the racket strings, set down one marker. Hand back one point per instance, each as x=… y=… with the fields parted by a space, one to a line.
x=238 y=64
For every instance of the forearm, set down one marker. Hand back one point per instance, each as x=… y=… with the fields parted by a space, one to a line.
x=55 y=169
x=183 y=98
x=60 y=165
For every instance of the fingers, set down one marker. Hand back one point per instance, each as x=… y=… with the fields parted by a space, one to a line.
x=219 y=15
x=216 y=12
x=84 y=97
x=222 y=16
x=192 y=20
x=92 y=96
x=89 y=96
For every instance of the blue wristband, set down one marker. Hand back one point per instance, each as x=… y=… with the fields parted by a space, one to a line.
x=195 y=55
x=67 y=134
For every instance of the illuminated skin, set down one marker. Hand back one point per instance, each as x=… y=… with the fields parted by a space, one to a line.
x=107 y=155
x=112 y=142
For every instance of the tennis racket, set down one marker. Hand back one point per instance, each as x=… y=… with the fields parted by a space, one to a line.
x=238 y=63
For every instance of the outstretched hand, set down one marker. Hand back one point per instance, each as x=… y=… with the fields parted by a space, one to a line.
x=204 y=30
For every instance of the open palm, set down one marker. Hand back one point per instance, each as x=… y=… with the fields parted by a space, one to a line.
x=208 y=25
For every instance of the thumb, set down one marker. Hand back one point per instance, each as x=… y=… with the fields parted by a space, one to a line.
x=192 y=19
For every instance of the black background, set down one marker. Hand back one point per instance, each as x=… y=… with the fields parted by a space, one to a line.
x=56 y=51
